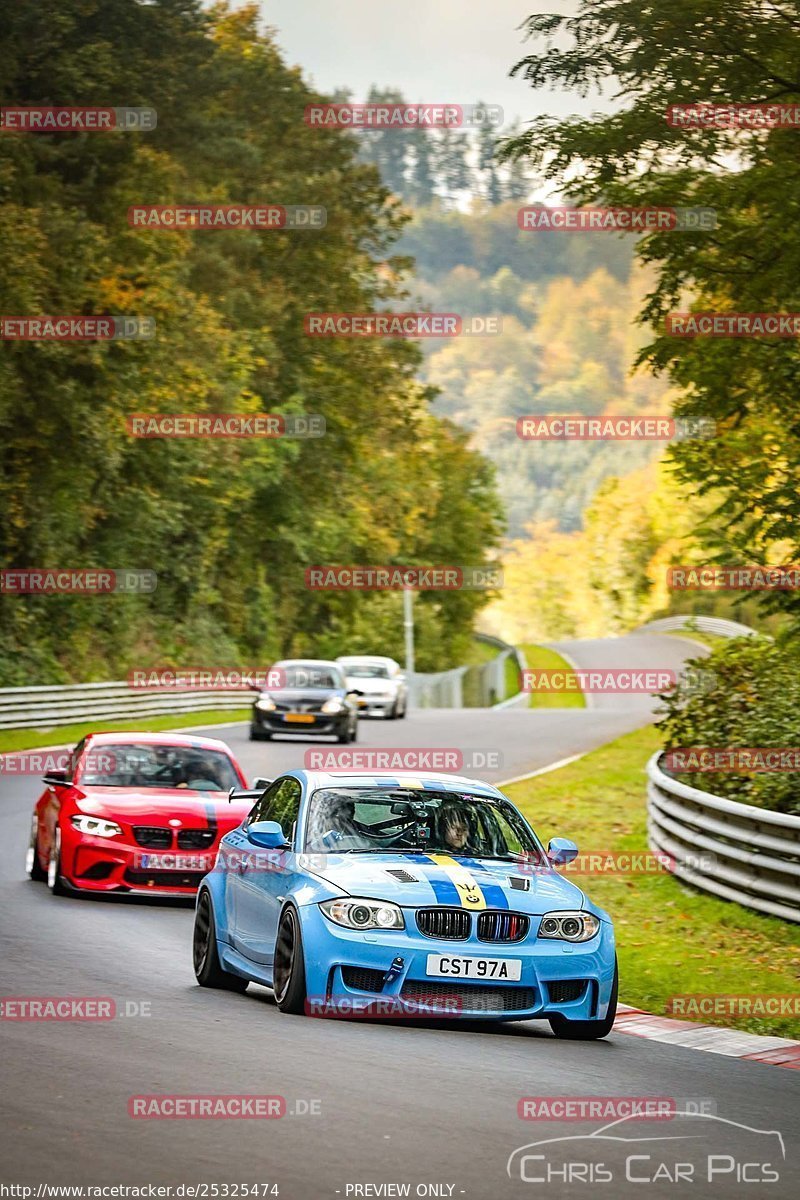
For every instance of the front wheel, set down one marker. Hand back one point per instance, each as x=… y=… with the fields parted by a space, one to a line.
x=33 y=866
x=258 y=735
x=208 y=970
x=289 y=973
x=54 y=866
x=586 y=1031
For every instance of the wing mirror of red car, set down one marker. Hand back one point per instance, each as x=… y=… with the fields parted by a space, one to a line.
x=57 y=779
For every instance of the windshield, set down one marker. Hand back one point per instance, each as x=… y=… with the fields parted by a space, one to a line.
x=139 y=765
x=366 y=671
x=300 y=675
x=358 y=820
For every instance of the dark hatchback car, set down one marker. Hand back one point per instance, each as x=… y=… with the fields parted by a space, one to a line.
x=312 y=698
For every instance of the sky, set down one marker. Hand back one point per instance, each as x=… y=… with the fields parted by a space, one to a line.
x=431 y=50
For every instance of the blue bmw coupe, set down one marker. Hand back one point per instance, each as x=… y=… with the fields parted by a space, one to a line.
x=398 y=894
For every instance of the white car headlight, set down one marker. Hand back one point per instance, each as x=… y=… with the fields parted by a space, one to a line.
x=265 y=703
x=96 y=826
x=364 y=914
x=334 y=705
x=569 y=926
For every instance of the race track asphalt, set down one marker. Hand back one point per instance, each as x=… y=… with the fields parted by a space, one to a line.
x=398 y=1103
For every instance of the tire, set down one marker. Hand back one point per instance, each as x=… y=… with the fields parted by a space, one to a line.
x=208 y=970
x=354 y=731
x=289 y=973
x=394 y=714
x=258 y=735
x=344 y=738
x=33 y=866
x=54 y=882
x=401 y=715
x=586 y=1031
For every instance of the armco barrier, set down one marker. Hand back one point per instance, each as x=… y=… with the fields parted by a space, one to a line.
x=72 y=704
x=716 y=625
x=735 y=851
x=43 y=707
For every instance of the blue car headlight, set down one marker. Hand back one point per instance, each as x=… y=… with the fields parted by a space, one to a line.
x=364 y=914
x=572 y=926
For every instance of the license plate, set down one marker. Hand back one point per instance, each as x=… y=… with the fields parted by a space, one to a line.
x=174 y=862
x=300 y=718
x=460 y=967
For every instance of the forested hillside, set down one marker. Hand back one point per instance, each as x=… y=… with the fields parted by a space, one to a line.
x=229 y=526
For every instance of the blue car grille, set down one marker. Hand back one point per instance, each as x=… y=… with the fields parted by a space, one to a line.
x=502 y=926
x=453 y=924
x=561 y=991
x=363 y=979
x=472 y=998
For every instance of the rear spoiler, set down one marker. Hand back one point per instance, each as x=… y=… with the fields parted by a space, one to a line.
x=251 y=794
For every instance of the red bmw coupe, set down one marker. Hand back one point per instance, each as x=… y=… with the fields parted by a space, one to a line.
x=137 y=813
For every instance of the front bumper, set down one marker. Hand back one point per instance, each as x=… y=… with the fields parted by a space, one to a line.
x=348 y=971
x=320 y=723
x=375 y=706
x=117 y=866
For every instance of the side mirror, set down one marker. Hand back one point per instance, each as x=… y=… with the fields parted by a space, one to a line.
x=561 y=850
x=267 y=834
x=57 y=779
x=259 y=783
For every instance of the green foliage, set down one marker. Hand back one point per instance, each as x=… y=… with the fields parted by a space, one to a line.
x=688 y=51
x=228 y=526
x=754 y=702
x=671 y=940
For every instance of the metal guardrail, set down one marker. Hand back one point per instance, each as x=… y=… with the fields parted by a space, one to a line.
x=72 y=704
x=484 y=684
x=732 y=850
x=720 y=626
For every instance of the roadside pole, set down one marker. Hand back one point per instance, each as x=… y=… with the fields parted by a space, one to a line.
x=408 y=629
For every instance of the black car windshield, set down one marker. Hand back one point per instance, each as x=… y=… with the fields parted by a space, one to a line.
x=362 y=820
x=306 y=675
x=147 y=765
x=366 y=671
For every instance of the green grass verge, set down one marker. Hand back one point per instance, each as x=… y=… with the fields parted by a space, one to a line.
x=539 y=658
x=59 y=735
x=671 y=939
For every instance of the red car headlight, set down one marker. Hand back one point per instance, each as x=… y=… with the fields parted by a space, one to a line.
x=96 y=826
